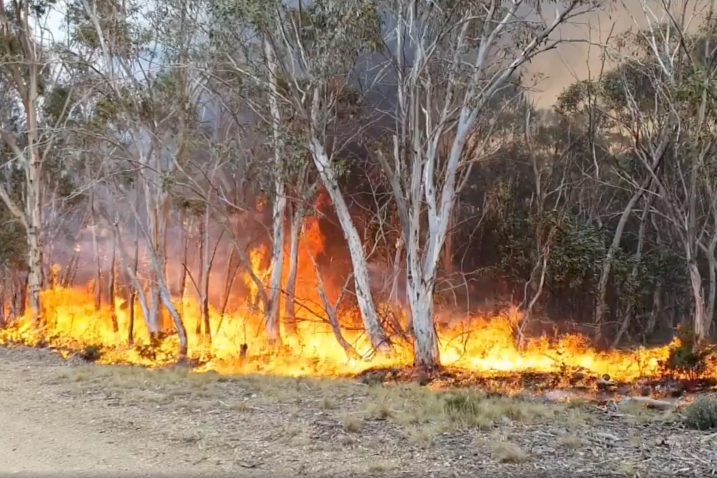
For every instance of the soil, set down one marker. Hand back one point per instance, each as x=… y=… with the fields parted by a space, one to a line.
x=68 y=418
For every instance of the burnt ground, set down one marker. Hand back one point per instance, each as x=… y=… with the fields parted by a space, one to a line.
x=66 y=416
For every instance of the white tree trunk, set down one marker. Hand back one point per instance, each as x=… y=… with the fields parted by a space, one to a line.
x=420 y=296
x=205 y=269
x=277 y=265
x=279 y=203
x=701 y=321
x=328 y=175
x=297 y=222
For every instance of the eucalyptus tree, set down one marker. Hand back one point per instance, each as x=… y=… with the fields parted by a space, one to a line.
x=38 y=102
x=656 y=106
x=145 y=114
x=309 y=52
x=451 y=60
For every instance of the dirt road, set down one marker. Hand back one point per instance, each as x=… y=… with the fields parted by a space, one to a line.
x=40 y=434
x=69 y=418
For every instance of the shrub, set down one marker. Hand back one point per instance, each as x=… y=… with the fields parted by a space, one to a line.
x=702 y=414
x=688 y=358
x=91 y=353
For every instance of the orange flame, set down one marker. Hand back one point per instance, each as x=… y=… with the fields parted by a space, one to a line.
x=484 y=345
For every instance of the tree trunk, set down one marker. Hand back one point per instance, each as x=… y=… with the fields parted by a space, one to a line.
x=3 y=294
x=277 y=265
x=34 y=278
x=426 y=355
x=133 y=292
x=112 y=284
x=297 y=222
x=448 y=247
x=601 y=305
x=333 y=316
x=98 y=260
x=634 y=272
x=712 y=264
x=204 y=280
x=229 y=279
x=654 y=313
x=178 y=324
x=203 y=247
x=701 y=321
x=371 y=322
x=183 y=269
x=278 y=202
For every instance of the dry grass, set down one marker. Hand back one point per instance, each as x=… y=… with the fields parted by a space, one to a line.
x=381 y=468
x=639 y=414
x=571 y=441
x=474 y=410
x=421 y=413
x=352 y=424
x=507 y=452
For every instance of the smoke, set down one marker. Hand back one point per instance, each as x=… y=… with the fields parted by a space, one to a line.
x=581 y=55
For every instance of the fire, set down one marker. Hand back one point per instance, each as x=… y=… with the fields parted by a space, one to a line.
x=482 y=345
x=71 y=322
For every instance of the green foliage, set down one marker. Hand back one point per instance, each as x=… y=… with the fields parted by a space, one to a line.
x=701 y=414
x=576 y=256
x=12 y=241
x=689 y=358
x=58 y=103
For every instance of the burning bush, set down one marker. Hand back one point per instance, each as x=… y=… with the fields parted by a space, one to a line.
x=91 y=353
x=688 y=358
x=702 y=414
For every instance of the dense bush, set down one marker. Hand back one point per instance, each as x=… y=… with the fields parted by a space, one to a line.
x=702 y=414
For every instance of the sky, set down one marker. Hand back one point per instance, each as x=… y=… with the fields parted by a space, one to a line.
x=571 y=61
x=558 y=68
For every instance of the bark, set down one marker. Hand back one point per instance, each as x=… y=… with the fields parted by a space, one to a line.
x=278 y=203
x=166 y=299
x=229 y=279
x=601 y=305
x=701 y=321
x=297 y=222
x=2 y=305
x=448 y=247
x=112 y=284
x=712 y=263
x=426 y=355
x=98 y=261
x=133 y=292
x=204 y=279
x=277 y=265
x=331 y=312
x=183 y=269
x=33 y=189
x=654 y=313
x=634 y=272
x=203 y=247
x=369 y=315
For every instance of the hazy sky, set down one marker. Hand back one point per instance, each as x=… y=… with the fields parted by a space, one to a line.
x=573 y=61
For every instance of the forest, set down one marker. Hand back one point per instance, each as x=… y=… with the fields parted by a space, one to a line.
x=361 y=180
x=362 y=238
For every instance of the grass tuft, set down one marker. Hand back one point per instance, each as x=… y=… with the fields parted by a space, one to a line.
x=507 y=452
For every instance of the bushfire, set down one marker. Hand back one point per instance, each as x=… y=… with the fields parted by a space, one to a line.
x=483 y=345
x=72 y=322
